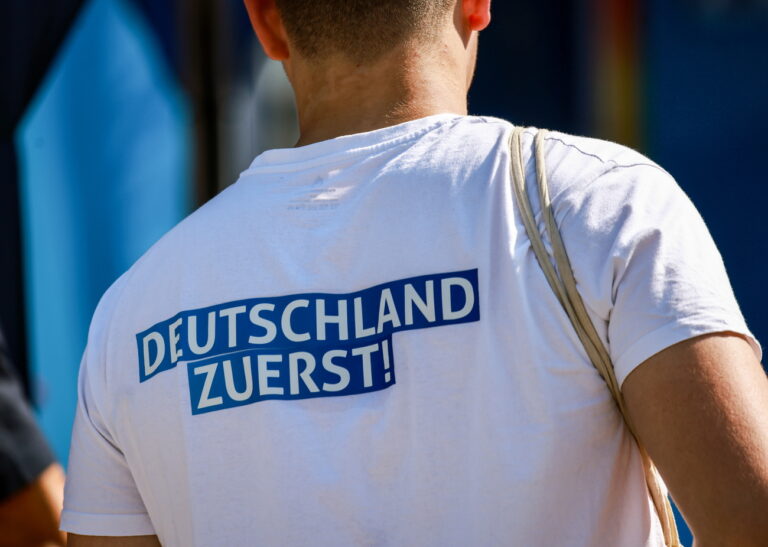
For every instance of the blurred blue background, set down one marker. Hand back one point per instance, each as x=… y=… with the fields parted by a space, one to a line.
x=124 y=115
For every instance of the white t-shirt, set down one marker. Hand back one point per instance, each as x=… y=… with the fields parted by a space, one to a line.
x=355 y=345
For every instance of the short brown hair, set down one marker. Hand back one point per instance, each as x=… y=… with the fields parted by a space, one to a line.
x=361 y=30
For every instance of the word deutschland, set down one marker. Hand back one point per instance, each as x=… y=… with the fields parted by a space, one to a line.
x=304 y=345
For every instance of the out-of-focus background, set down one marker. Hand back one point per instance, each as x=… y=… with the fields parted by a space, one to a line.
x=119 y=117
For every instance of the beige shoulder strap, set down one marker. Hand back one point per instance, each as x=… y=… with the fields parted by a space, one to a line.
x=563 y=283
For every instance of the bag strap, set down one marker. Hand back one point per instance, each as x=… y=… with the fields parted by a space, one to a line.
x=563 y=283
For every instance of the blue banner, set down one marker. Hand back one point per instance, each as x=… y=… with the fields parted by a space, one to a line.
x=105 y=156
x=304 y=345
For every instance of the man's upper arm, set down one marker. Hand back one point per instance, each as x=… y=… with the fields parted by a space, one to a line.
x=101 y=495
x=106 y=541
x=700 y=407
x=695 y=391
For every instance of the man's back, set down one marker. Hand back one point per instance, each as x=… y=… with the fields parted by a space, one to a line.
x=355 y=344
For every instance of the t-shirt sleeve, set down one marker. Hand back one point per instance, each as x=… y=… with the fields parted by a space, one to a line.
x=101 y=497
x=646 y=264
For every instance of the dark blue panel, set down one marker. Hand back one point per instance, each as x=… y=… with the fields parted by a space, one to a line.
x=29 y=42
x=708 y=110
x=526 y=68
x=163 y=17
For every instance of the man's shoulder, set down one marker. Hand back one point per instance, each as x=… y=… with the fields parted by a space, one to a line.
x=578 y=166
x=592 y=150
x=572 y=161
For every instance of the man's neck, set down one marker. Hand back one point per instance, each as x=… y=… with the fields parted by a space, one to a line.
x=343 y=98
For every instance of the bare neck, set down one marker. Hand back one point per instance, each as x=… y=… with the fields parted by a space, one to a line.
x=341 y=98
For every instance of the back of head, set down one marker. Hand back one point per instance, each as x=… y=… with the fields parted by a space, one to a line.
x=360 y=30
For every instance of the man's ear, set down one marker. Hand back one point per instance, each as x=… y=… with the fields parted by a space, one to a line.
x=477 y=13
x=269 y=28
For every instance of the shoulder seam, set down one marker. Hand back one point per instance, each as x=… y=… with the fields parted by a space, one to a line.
x=604 y=161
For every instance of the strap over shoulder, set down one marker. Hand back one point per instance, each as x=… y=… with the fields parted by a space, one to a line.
x=559 y=274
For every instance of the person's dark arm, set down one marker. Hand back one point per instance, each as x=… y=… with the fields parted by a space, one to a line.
x=700 y=408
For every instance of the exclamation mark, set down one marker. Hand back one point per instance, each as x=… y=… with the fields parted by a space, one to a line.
x=387 y=364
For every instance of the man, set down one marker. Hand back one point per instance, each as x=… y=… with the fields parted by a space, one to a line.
x=355 y=345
